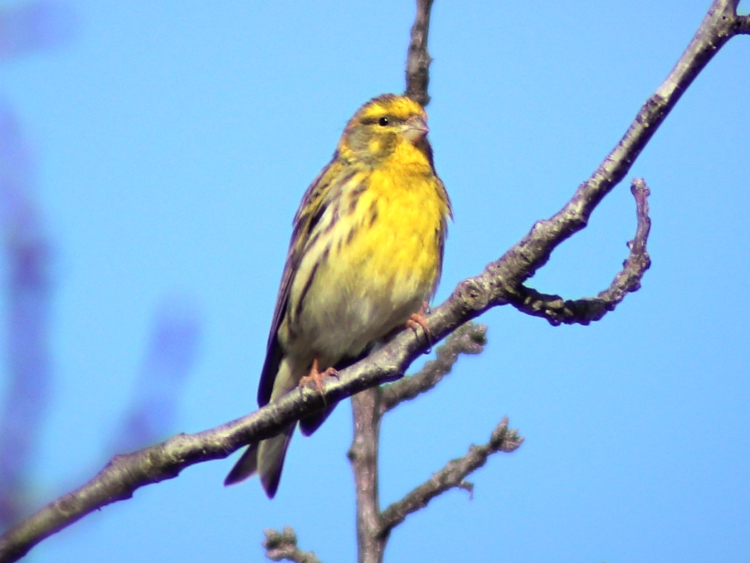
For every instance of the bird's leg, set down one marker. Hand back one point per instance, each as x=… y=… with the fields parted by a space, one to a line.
x=316 y=376
x=418 y=319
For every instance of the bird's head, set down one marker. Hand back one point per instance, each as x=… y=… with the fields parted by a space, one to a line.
x=383 y=126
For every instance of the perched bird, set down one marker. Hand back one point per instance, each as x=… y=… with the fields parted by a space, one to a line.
x=365 y=257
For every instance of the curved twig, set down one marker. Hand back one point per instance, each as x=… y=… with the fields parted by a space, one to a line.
x=582 y=311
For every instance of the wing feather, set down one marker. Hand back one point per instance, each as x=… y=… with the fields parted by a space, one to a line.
x=314 y=202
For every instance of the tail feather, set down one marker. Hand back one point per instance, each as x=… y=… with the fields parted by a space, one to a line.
x=265 y=458
x=271 y=454
x=245 y=467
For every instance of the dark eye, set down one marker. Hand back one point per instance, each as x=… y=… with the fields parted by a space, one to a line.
x=383 y=121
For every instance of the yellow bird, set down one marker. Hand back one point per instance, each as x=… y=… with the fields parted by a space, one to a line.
x=365 y=256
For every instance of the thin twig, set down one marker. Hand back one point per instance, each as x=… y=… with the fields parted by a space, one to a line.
x=453 y=475
x=467 y=339
x=282 y=546
x=418 y=58
x=582 y=311
x=501 y=278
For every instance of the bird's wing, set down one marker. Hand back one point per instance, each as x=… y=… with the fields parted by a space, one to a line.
x=316 y=200
x=441 y=234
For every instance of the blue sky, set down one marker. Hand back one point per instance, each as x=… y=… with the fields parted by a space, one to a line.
x=172 y=143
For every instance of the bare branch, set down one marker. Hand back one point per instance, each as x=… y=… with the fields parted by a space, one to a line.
x=469 y=338
x=501 y=282
x=126 y=473
x=418 y=58
x=282 y=546
x=363 y=456
x=582 y=311
x=368 y=409
x=451 y=476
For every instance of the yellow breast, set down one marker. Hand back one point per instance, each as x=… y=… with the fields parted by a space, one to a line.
x=399 y=248
x=377 y=256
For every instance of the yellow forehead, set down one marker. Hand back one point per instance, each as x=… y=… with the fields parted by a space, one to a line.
x=399 y=107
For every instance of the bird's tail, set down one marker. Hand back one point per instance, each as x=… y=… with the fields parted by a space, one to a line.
x=271 y=454
x=265 y=458
x=245 y=467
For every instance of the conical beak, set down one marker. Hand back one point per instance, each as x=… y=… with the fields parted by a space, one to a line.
x=415 y=130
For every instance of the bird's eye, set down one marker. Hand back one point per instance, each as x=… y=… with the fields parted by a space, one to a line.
x=383 y=121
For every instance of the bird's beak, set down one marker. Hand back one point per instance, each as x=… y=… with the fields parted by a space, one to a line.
x=415 y=130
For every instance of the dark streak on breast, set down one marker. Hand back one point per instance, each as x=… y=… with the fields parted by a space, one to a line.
x=308 y=284
x=354 y=197
x=352 y=233
x=373 y=213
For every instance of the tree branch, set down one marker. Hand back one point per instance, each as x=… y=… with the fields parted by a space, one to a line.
x=363 y=456
x=281 y=546
x=469 y=338
x=533 y=251
x=418 y=58
x=368 y=409
x=451 y=476
x=582 y=311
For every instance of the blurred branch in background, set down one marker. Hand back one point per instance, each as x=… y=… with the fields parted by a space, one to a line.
x=24 y=28
x=28 y=380
x=33 y=26
x=169 y=359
